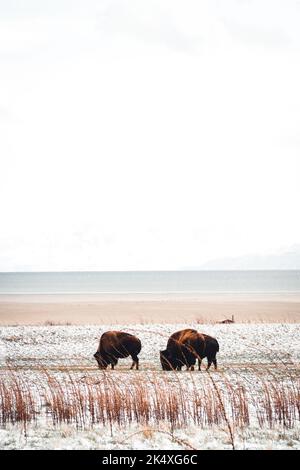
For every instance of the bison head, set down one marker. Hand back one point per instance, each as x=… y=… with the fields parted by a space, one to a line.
x=102 y=363
x=166 y=360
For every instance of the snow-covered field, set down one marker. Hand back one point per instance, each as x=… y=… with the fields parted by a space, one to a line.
x=75 y=345
x=250 y=357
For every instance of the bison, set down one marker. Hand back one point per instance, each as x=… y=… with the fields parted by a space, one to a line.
x=210 y=351
x=185 y=346
x=117 y=344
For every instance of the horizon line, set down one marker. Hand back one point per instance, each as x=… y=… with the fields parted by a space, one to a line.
x=146 y=270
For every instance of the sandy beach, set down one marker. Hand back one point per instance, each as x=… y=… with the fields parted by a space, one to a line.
x=148 y=308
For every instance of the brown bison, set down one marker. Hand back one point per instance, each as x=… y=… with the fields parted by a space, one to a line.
x=210 y=351
x=117 y=344
x=185 y=346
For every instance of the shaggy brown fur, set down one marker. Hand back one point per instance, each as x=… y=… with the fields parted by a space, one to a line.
x=117 y=344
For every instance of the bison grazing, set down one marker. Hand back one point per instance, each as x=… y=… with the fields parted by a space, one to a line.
x=210 y=351
x=185 y=346
x=116 y=344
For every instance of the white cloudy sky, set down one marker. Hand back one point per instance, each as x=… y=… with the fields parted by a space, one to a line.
x=147 y=134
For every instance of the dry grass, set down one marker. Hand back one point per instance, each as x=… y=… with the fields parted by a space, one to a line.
x=17 y=403
x=88 y=401
x=13 y=339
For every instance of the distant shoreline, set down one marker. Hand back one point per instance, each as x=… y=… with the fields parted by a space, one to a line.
x=122 y=295
x=130 y=308
x=152 y=293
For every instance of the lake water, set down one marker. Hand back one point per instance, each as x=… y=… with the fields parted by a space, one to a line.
x=150 y=282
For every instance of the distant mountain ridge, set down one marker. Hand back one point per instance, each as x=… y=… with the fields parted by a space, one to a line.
x=287 y=259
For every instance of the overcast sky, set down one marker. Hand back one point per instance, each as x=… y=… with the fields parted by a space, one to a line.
x=147 y=134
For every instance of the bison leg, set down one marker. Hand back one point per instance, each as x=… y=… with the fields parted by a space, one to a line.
x=209 y=361
x=215 y=363
x=192 y=368
x=135 y=362
x=199 y=364
x=114 y=362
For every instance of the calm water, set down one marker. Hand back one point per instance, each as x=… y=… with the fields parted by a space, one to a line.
x=150 y=282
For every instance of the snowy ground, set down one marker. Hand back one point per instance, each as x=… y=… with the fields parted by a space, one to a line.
x=67 y=437
x=75 y=345
x=249 y=354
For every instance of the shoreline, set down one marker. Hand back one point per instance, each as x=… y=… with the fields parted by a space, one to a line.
x=129 y=308
x=148 y=296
